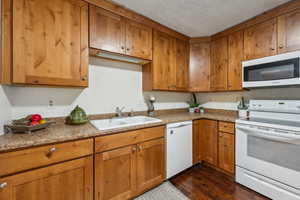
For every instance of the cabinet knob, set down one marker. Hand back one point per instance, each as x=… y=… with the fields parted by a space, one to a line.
x=122 y=47
x=140 y=148
x=280 y=46
x=127 y=49
x=51 y=151
x=272 y=48
x=84 y=78
x=133 y=149
x=3 y=185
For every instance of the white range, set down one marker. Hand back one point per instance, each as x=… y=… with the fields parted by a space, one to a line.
x=268 y=149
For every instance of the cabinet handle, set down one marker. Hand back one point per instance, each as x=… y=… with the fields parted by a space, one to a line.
x=140 y=148
x=3 y=185
x=51 y=151
x=133 y=149
x=84 y=78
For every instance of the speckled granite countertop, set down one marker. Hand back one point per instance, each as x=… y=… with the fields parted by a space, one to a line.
x=61 y=132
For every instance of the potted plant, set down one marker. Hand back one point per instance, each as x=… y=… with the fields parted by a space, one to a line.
x=193 y=103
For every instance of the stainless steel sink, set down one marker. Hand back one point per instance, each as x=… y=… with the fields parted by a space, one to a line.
x=107 y=124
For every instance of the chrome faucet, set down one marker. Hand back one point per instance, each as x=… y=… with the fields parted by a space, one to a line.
x=119 y=111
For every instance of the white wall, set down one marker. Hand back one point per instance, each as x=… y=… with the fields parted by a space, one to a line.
x=111 y=84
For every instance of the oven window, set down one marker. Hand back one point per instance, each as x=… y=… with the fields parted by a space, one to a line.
x=279 y=153
x=273 y=71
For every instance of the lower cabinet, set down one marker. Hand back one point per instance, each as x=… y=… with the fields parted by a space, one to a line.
x=115 y=174
x=71 y=180
x=128 y=171
x=150 y=164
x=226 y=152
x=214 y=143
x=209 y=141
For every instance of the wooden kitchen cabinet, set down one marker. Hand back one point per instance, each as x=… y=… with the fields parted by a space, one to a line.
x=107 y=30
x=114 y=33
x=115 y=173
x=260 y=40
x=209 y=141
x=72 y=180
x=162 y=71
x=129 y=163
x=182 y=65
x=169 y=69
x=226 y=152
x=219 y=64
x=150 y=164
x=235 y=58
x=199 y=69
x=50 y=42
x=196 y=142
x=138 y=40
x=289 y=31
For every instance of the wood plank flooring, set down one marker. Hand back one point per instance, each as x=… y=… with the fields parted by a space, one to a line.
x=204 y=183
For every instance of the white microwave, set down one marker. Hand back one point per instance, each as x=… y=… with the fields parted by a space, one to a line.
x=279 y=70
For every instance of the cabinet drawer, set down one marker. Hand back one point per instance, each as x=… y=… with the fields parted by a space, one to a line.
x=226 y=127
x=109 y=142
x=40 y=156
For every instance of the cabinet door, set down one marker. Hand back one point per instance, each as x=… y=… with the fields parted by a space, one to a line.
x=50 y=42
x=219 y=63
x=235 y=57
x=196 y=142
x=209 y=141
x=164 y=62
x=138 y=40
x=199 y=76
x=226 y=152
x=107 y=30
x=72 y=180
x=289 y=32
x=260 y=40
x=182 y=66
x=115 y=174
x=150 y=164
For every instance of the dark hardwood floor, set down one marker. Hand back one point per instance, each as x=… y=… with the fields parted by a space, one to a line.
x=204 y=183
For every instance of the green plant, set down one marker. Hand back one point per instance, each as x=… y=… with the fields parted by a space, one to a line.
x=242 y=105
x=193 y=103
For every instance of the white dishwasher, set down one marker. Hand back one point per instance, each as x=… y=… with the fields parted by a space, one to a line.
x=179 y=147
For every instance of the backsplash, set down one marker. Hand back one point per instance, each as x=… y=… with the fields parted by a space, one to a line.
x=228 y=100
x=111 y=84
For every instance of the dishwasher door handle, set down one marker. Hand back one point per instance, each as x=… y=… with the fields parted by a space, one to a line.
x=180 y=126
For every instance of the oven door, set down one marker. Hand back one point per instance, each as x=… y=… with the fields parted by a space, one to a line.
x=271 y=153
x=275 y=73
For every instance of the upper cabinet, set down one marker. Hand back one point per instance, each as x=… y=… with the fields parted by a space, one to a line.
x=199 y=76
x=260 y=40
x=116 y=34
x=169 y=68
x=182 y=65
x=107 y=30
x=138 y=40
x=50 y=42
x=289 y=32
x=235 y=57
x=219 y=64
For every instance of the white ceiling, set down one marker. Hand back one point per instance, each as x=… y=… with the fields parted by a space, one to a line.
x=200 y=17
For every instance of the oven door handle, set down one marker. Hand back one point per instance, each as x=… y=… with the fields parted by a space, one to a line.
x=289 y=138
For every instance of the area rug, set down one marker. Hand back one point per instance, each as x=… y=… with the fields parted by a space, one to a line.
x=165 y=191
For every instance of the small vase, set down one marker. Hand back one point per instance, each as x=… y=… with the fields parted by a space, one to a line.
x=192 y=110
x=243 y=113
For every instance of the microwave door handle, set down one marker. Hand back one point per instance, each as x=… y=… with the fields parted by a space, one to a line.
x=271 y=135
